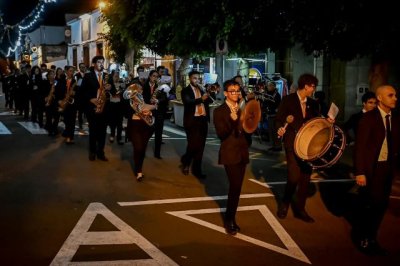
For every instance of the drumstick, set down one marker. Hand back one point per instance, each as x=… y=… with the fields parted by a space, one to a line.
x=289 y=120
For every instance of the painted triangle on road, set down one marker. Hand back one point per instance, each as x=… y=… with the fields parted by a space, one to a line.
x=4 y=130
x=291 y=250
x=81 y=235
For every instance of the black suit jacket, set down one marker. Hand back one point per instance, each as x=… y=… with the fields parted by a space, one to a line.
x=235 y=142
x=189 y=103
x=370 y=136
x=290 y=105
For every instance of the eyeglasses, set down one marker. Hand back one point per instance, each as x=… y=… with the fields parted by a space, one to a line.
x=234 y=92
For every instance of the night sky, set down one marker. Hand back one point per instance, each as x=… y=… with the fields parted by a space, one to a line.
x=15 y=10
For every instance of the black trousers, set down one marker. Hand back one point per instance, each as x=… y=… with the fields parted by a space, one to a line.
x=299 y=173
x=115 y=119
x=69 y=121
x=196 y=135
x=139 y=134
x=97 y=133
x=235 y=173
x=374 y=199
x=159 y=127
x=52 y=118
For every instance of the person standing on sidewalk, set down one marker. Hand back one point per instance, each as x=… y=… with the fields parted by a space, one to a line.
x=234 y=149
x=377 y=146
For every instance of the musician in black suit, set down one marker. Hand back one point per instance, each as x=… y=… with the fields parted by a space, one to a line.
x=154 y=96
x=350 y=126
x=79 y=96
x=196 y=116
x=376 y=155
x=65 y=93
x=234 y=149
x=302 y=107
x=94 y=82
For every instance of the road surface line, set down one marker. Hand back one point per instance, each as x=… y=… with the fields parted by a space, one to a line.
x=184 y=200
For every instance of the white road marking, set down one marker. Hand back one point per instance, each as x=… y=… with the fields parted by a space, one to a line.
x=292 y=249
x=312 y=181
x=8 y=113
x=33 y=128
x=184 y=200
x=4 y=130
x=175 y=131
x=255 y=156
x=279 y=165
x=126 y=235
x=260 y=183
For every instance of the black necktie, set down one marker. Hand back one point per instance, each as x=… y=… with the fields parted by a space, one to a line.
x=388 y=135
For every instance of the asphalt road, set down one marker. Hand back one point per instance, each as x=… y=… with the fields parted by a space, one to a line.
x=58 y=208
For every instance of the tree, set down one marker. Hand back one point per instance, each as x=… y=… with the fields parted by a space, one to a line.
x=339 y=28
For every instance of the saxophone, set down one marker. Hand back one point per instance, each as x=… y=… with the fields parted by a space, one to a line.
x=154 y=97
x=137 y=102
x=68 y=99
x=102 y=98
x=50 y=97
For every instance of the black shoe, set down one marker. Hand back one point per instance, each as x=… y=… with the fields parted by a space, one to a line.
x=378 y=249
x=367 y=246
x=283 y=210
x=236 y=226
x=102 y=158
x=303 y=215
x=230 y=228
x=92 y=157
x=157 y=156
x=184 y=169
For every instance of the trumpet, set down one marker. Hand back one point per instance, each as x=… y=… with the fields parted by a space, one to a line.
x=202 y=88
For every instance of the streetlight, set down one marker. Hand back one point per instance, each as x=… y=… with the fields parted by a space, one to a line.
x=102 y=5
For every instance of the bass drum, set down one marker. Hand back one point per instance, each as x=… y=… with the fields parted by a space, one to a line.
x=320 y=143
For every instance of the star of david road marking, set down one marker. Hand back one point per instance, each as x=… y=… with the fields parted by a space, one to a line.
x=292 y=249
x=4 y=130
x=126 y=235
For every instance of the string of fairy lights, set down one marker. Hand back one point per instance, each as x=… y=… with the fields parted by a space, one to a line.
x=7 y=32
